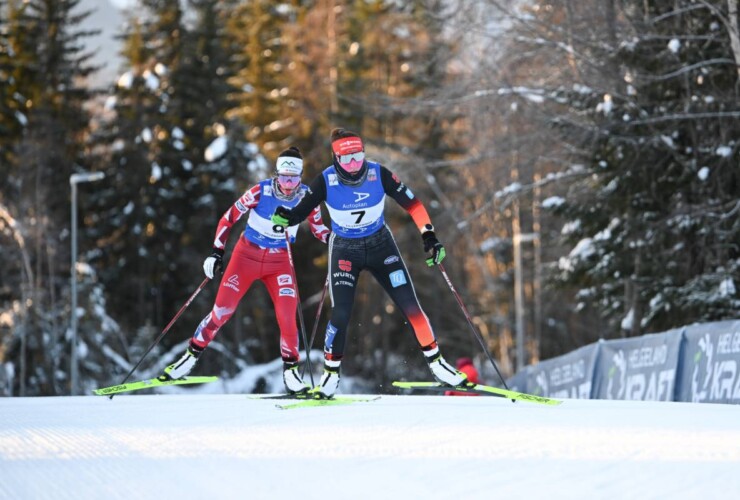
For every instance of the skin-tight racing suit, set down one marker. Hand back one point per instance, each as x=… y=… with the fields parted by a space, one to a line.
x=360 y=240
x=260 y=254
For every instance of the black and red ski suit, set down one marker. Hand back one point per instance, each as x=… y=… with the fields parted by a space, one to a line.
x=361 y=240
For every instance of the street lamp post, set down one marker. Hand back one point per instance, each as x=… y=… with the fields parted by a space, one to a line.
x=520 y=238
x=75 y=179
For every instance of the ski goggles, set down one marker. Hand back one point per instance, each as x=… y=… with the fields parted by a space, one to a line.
x=344 y=159
x=289 y=179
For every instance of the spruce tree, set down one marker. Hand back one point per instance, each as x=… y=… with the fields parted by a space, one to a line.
x=177 y=159
x=263 y=71
x=21 y=86
x=655 y=241
x=46 y=65
x=126 y=261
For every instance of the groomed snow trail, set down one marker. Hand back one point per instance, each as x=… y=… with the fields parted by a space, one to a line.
x=232 y=446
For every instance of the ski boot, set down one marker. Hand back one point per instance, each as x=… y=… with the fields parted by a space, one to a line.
x=292 y=379
x=444 y=372
x=182 y=366
x=329 y=381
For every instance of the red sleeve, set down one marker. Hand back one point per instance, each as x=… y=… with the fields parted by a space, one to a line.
x=241 y=206
x=397 y=190
x=420 y=215
x=319 y=230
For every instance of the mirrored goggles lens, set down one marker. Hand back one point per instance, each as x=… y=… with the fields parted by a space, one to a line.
x=359 y=156
x=289 y=179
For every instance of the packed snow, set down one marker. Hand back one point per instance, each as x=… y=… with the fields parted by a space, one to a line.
x=126 y=80
x=724 y=151
x=216 y=149
x=231 y=446
x=703 y=173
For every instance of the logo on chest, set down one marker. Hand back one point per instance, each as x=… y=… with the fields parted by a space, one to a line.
x=358 y=202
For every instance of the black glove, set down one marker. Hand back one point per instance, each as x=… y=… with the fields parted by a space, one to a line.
x=214 y=263
x=431 y=243
x=282 y=216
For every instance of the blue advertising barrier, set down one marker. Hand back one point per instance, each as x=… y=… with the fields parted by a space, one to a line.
x=710 y=362
x=642 y=368
x=696 y=363
x=570 y=376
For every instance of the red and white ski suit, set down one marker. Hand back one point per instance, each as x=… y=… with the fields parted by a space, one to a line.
x=260 y=254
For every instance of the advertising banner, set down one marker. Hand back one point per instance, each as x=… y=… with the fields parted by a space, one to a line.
x=567 y=376
x=710 y=362
x=642 y=368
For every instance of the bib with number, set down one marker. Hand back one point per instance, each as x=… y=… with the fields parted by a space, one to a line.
x=356 y=211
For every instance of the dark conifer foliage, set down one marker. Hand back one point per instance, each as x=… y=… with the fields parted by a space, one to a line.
x=44 y=124
x=166 y=108
x=654 y=207
x=605 y=130
x=176 y=161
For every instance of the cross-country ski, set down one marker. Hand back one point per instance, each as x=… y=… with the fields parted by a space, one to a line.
x=151 y=383
x=478 y=389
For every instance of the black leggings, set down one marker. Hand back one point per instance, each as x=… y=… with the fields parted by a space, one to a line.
x=379 y=254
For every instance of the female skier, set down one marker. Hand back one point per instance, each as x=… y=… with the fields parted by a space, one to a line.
x=354 y=192
x=259 y=254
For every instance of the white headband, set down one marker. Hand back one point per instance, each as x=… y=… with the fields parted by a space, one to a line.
x=289 y=165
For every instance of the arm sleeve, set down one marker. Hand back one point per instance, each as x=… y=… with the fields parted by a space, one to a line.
x=319 y=230
x=235 y=212
x=397 y=190
x=315 y=195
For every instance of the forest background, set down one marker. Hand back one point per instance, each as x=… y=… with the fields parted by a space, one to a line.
x=578 y=159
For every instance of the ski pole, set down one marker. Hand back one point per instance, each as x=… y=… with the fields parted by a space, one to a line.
x=316 y=320
x=470 y=322
x=300 y=309
x=166 y=329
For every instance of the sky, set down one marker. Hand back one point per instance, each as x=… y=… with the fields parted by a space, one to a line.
x=107 y=17
x=189 y=445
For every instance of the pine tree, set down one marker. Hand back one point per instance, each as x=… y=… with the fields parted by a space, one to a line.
x=654 y=232
x=169 y=114
x=128 y=222
x=150 y=170
x=46 y=66
x=264 y=71
x=20 y=89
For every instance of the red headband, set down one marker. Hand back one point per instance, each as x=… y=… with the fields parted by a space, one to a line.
x=347 y=145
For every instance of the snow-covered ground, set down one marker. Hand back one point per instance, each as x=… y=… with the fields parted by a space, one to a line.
x=189 y=446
